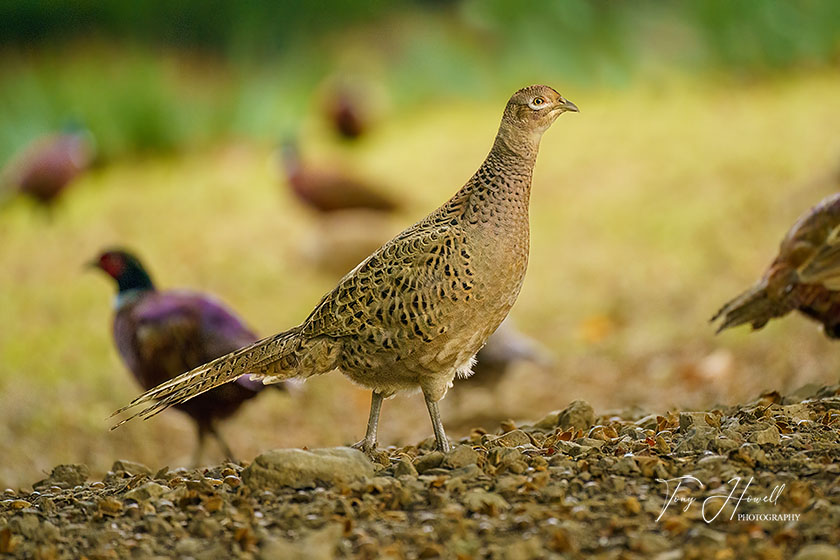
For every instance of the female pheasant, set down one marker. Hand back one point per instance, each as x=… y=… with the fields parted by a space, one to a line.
x=414 y=313
x=805 y=276
x=159 y=334
x=47 y=166
x=326 y=189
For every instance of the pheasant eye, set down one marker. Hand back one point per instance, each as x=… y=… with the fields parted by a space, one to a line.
x=537 y=103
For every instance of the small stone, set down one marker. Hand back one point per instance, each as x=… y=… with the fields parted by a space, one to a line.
x=819 y=551
x=724 y=444
x=110 y=506
x=428 y=461
x=513 y=438
x=7 y=542
x=507 y=426
x=692 y=419
x=465 y=473
x=147 y=491
x=751 y=454
x=769 y=436
x=649 y=543
x=591 y=442
x=26 y=525
x=550 y=421
x=404 y=467
x=320 y=544
x=578 y=415
x=65 y=476
x=232 y=481
x=482 y=501
x=504 y=455
x=697 y=438
x=130 y=468
x=626 y=466
x=298 y=468
x=571 y=448
x=797 y=412
x=460 y=456
x=649 y=422
x=188 y=546
x=213 y=503
x=632 y=505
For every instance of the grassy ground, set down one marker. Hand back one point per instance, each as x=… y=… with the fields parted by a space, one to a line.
x=650 y=208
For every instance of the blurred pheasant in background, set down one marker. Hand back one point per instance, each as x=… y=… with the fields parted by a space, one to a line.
x=341 y=240
x=346 y=111
x=48 y=165
x=160 y=334
x=805 y=276
x=414 y=313
x=328 y=190
x=481 y=396
x=504 y=349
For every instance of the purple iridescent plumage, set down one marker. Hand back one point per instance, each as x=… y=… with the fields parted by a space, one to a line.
x=161 y=334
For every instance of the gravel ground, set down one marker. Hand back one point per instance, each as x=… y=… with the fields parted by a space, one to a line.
x=758 y=480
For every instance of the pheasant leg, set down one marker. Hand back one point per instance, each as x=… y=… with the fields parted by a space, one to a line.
x=199 y=448
x=222 y=443
x=368 y=444
x=437 y=425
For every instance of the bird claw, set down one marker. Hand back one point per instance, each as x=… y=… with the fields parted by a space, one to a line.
x=366 y=446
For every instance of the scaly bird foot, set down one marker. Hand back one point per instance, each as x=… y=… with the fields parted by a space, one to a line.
x=366 y=446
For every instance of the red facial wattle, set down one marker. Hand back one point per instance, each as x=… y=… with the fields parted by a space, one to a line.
x=112 y=264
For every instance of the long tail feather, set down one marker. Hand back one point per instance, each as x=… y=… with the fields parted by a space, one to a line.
x=753 y=306
x=255 y=359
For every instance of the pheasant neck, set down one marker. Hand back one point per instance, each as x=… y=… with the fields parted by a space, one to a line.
x=134 y=278
x=501 y=188
x=126 y=297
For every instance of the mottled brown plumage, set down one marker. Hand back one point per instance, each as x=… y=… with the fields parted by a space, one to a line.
x=805 y=276
x=414 y=313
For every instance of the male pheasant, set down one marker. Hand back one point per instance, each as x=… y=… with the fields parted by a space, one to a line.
x=414 y=313
x=805 y=276
x=159 y=334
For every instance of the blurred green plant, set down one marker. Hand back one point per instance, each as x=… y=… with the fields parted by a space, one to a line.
x=159 y=76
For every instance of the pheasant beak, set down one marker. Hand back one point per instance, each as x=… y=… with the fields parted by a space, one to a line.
x=567 y=105
x=91 y=264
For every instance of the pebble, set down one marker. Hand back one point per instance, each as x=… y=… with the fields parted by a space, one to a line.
x=130 y=467
x=818 y=551
x=767 y=436
x=460 y=456
x=429 y=461
x=513 y=438
x=578 y=415
x=404 y=467
x=539 y=496
x=297 y=468
x=482 y=501
x=146 y=491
